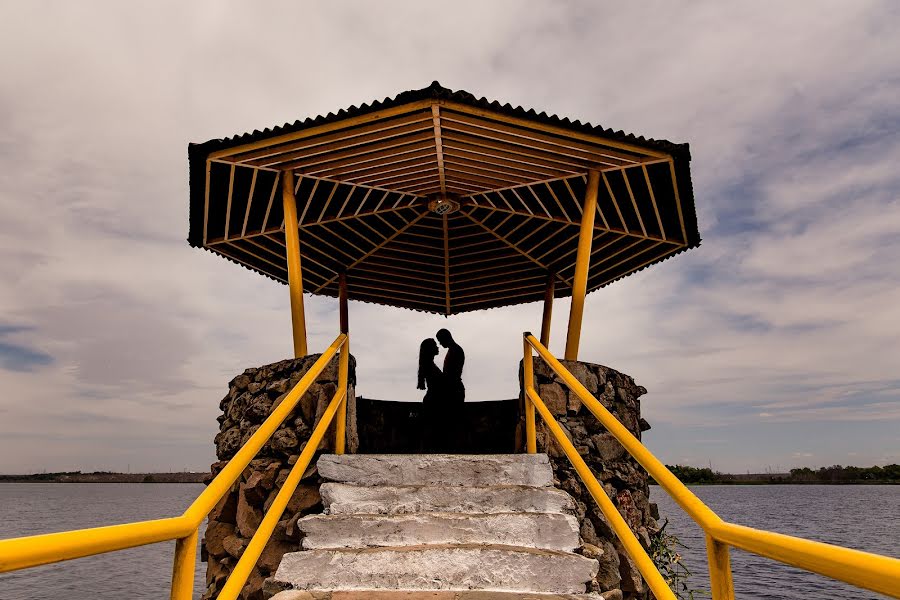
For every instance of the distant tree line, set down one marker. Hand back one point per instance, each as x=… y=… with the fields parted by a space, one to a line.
x=832 y=474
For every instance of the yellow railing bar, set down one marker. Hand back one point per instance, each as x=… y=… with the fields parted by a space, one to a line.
x=224 y=480
x=637 y=553
x=183 y=567
x=32 y=551
x=862 y=569
x=258 y=542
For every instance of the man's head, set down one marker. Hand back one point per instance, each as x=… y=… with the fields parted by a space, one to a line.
x=444 y=337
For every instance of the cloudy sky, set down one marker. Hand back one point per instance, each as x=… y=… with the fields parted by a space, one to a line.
x=775 y=344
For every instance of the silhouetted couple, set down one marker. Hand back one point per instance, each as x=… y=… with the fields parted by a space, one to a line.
x=446 y=393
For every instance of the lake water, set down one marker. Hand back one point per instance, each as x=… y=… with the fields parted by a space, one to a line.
x=137 y=573
x=855 y=516
x=862 y=517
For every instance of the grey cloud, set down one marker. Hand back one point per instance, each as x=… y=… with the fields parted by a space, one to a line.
x=790 y=302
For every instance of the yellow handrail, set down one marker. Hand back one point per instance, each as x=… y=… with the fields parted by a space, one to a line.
x=31 y=551
x=862 y=569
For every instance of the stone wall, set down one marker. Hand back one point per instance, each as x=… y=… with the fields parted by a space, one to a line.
x=251 y=397
x=625 y=482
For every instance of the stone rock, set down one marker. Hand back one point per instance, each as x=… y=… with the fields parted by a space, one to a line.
x=612 y=595
x=278 y=387
x=305 y=497
x=258 y=410
x=216 y=573
x=555 y=397
x=228 y=443
x=240 y=382
x=248 y=517
x=631 y=580
x=215 y=534
x=234 y=546
x=225 y=510
x=248 y=432
x=608 y=576
x=591 y=551
x=272 y=553
x=608 y=447
x=253 y=489
x=584 y=374
x=285 y=440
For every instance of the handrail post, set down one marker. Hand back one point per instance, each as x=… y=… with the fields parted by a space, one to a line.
x=528 y=385
x=183 y=567
x=340 y=428
x=721 y=584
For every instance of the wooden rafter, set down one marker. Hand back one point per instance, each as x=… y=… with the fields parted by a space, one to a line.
x=446 y=261
x=228 y=201
x=615 y=202
x=376 y=248
x=436 y=120
x=677 y=200
x=514 y=247
x=637 y=211
x=662 y=230
x=249 y=203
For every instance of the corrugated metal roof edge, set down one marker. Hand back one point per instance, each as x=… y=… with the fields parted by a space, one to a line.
x=197 y=153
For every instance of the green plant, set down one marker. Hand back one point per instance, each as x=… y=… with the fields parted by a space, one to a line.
x=670 y=563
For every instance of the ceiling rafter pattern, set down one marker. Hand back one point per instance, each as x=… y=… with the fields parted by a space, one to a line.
x=364 y=179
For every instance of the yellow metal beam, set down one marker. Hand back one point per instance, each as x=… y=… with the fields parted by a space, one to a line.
x=862 y=569
x=340 y=429
x=582 y=264
x=295 y=271
x=244 y=566
x=721 y=585
x=548 y=309
x=633 y=547
x=183 y=567
x=528 y=387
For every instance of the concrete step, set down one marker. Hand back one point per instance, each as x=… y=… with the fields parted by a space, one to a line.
x=345 y=498
x=532 y=530
x=437 y=469
x=477 y=567
x=425 y=595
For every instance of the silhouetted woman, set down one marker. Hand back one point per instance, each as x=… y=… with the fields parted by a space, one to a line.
x=432 y=379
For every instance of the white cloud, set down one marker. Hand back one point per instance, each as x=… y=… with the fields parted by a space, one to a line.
x=787 y=313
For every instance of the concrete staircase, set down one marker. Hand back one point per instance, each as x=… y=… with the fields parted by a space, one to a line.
x=441 y=527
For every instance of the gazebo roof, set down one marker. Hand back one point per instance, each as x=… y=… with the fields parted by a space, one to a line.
x=364 y=178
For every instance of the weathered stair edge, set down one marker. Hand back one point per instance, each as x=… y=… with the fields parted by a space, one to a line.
x=532 y=530
x=427 y=595
x=462 y=567
x=437 y=469
x=348 y=498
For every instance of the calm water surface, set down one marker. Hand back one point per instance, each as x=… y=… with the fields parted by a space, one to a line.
x=137 y=573
x=856 y=516
x=863 y=517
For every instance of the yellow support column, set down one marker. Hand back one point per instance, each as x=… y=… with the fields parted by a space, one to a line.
x=721 y=584
x=548 y=309
x=295 y=272
x=183 y=569
x=582 y=263
x=340 y=428
x=528 y=386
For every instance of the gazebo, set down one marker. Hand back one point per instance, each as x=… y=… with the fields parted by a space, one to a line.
x=439 y=201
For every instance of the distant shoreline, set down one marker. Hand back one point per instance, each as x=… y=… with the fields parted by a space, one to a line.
x=106 y=477
x=783 y=482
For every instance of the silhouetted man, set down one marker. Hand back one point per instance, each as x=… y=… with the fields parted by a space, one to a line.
x=453 y=368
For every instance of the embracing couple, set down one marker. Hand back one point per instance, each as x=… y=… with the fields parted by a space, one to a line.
x=446 y=392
